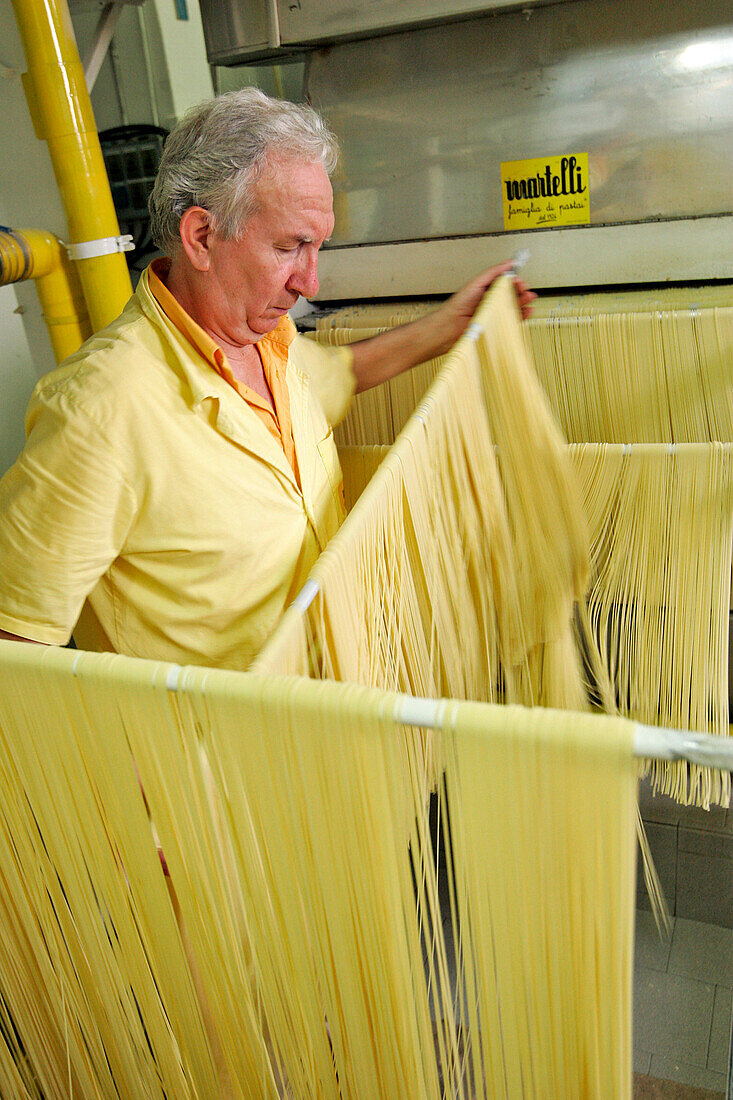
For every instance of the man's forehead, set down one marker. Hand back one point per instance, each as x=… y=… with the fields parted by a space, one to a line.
x=293 y=177
x=296 y=202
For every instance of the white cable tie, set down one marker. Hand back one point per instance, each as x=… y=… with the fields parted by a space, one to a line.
x=102 y=246
x=474 y=330
x=173 y=676
x=306 y=596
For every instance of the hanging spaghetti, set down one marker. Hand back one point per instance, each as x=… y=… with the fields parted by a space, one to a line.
x=661 y=528
x=660 y=524
x=456 y=572
x=635 y=367
x=305 y=954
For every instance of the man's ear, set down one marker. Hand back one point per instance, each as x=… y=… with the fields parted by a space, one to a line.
x=196 y=231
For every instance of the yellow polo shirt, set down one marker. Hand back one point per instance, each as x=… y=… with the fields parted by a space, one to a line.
x=273 y=351
x=149 y=487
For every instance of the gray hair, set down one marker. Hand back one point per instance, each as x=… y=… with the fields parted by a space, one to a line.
x=215 y=154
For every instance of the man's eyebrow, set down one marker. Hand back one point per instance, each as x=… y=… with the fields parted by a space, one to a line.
x=305 y=240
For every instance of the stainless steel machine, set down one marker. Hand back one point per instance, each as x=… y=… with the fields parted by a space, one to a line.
x=437 y=104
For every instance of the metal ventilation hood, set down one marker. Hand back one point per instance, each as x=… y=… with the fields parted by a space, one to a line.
x=247 y=31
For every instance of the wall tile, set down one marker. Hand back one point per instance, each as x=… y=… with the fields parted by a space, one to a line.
x=672 y=1016
x=702 y=951
x=693 y=817
x=705 y=842
x=720 y=1033
x=659 y=808
x=651 y=950
x=672 y=1069
x=704 y=889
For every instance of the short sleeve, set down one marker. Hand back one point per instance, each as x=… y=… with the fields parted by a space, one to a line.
x=66 y=507
x=331 y=372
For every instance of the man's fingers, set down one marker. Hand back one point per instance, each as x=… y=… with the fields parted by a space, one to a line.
x=488 y=276
x=525 y=297
x=464 y=302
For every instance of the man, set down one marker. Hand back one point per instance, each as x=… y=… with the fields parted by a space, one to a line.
x=180 y=476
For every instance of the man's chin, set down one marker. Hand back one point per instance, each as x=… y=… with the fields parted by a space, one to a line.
x=266 y=324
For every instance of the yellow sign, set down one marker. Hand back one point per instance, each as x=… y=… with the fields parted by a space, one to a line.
x=546 y=192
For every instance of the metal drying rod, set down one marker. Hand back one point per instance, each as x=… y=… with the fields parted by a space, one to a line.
x=650 y=742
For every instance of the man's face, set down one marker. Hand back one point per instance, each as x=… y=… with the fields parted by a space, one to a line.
x=253 y=281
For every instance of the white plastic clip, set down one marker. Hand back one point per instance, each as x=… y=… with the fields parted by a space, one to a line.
x=173 y=677
x=306 y=596
x=413 y=711
x=519 y=260
x=102 y=246
x=473 y=331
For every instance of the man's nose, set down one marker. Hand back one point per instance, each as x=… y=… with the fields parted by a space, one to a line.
x=304 y=279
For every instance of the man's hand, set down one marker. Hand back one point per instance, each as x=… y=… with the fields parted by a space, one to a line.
x=467 y=300
x=385 y=356
x=456 y=313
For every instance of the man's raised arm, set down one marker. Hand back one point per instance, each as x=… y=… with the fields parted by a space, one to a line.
x=382 y=357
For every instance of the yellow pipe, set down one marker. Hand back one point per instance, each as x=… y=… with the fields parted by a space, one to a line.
x=62 y=115
x=36 y=254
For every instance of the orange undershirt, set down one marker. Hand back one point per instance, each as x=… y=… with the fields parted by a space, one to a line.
x=273 y=352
